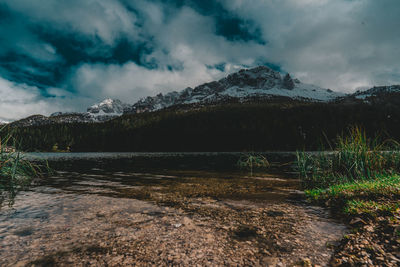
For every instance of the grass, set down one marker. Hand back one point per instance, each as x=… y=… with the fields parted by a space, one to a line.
x=15 y=172
x=371 y=197
x=361 y=176
x=382 y=186
x=252 y=162
x=372 y=209
x=355 y=158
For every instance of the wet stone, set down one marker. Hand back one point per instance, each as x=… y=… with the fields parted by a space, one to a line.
x=183 y=219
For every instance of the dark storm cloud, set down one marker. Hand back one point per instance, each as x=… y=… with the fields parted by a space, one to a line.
x=63 y=55
x=228 y=24
x=77 y=44
x=22 y=56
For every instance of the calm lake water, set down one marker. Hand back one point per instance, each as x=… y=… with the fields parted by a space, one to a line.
x=99 y=206
x=119 y=161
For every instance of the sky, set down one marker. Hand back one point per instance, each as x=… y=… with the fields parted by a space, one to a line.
x=59 y=55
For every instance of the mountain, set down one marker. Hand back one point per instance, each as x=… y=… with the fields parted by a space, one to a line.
x=103 y=111
x=107 y=108
x=377 y=91
x=252 y=110
x=256 y=85
x=260 y=83
x=258 y=126
x=247 y=85
x=378 y=95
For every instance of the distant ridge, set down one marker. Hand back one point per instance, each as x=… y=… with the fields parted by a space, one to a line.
x=103 y=111
x=247 y=85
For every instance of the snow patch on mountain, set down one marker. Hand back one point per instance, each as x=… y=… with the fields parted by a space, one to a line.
x=103 y=111
x=112 y=107
x=261 y=82
x=376 y=91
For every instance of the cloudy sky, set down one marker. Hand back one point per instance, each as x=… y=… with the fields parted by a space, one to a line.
x=59 y=55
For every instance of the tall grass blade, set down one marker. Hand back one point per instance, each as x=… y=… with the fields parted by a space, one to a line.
x=355 y=157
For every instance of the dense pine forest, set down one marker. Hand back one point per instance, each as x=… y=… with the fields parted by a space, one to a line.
x=230 y=127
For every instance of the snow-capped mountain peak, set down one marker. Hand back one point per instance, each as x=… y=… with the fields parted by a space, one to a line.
x=103 y=111
x=247 y=85
x=108 y=106
x=260 y=82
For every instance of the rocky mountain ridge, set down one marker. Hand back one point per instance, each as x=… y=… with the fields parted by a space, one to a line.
x=247 y=85
x=260 y=82
x=103 y=111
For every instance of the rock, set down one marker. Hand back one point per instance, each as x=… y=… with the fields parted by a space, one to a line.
x=287 y=82
x=270 y=261
x=356 y=221
x=306 y=262
x=369 y=228
x=186 y=221
x=209 y=237
x=392 y=257
x=108 y=106
x=21 y=264
x=336 y=262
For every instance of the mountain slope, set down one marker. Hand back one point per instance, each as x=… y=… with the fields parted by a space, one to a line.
x=377 y=91
x=257 y=83
x=259 y=126
x=108 y=107
x=260 y=84
x=103 y=111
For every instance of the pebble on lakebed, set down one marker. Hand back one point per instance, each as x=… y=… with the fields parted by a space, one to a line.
x=185 y=222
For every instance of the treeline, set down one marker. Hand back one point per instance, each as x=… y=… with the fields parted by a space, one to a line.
x=233 y=127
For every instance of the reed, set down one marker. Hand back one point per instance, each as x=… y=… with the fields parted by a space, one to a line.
x=253 y=162
x=15 y=171
x=355 y=158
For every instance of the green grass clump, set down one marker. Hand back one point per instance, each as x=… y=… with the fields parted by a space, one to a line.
x=252 y=162
x=373 y=197
x=370 y=207
x=355 y=158
x=384 y=186
x=15 y=172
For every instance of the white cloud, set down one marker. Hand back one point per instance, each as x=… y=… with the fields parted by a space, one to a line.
x=18 y=101
x=338 y=44
x=130 y=82
x=334 y=43
x=192 y=45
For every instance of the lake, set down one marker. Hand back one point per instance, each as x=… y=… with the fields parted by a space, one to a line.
x=159 y=209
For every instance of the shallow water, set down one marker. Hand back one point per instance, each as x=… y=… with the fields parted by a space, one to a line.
x=99 y=216
x=103 y=155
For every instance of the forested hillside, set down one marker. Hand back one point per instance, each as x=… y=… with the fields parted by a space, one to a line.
x=232 y=127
